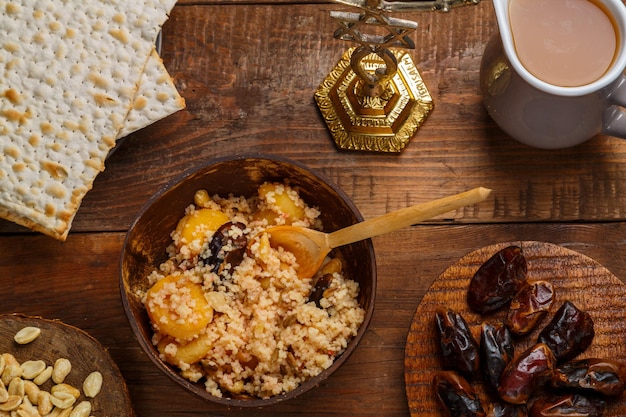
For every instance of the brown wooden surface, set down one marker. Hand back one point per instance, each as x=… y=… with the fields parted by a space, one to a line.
x=248 y=72
x=574 y=277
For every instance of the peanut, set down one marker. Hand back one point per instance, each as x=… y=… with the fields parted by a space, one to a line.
x=30 y=369
x=92 y=384
x=16 y=387
x=83 y=409
x=62 y=400
x=44 y=406
x=27 y=335
x=11 y=371
x=21 y=394
x=12 y=403
x=62 y=367
x=66 y=388
x=60 y=412
x=43 y=377
x=4 y=394
x=26 y=409
x=32 y=391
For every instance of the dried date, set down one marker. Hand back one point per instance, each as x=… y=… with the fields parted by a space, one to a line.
x=530 y=384
x=567 y=405
x=496 y=351
x=459 y=349
x=594 y=375
x=569 y=333
x=506 y=410
x=526 y=374
x=456 y=396
x=531 y=304
x=497 y=280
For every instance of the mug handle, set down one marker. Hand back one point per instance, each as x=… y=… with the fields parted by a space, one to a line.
x=614 y=122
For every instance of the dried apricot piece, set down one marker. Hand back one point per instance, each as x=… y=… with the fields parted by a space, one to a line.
x=177 y=307
x=196 y=224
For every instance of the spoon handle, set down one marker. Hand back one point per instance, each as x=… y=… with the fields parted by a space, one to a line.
x=405 y=217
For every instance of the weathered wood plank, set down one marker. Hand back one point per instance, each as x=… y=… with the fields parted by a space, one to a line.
x=77 y=282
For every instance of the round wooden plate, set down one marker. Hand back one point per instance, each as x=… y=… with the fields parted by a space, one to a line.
x=59 y=340
x=575 y=277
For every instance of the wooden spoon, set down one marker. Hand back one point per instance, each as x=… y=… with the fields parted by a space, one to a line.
x=310 y=247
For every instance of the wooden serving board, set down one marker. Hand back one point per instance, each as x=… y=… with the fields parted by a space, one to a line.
x=59 y=340
x=575 y=277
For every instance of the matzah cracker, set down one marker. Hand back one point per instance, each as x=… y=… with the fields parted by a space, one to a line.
x=156 y=98
x=68 y=74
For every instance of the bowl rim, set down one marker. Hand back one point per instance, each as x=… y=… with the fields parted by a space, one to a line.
x=195 y=388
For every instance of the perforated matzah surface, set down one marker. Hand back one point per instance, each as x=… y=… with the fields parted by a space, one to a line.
x=69 y=71
x=156 y=98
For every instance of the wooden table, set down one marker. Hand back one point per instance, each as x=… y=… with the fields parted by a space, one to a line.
x=248 y=72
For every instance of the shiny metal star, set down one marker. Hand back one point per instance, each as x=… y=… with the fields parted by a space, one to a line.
x=355 y=27
x=408 y=6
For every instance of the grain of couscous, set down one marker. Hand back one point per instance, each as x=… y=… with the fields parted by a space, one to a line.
x=229 y=310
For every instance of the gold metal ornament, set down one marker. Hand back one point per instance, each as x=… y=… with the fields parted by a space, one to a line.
x=374 y=99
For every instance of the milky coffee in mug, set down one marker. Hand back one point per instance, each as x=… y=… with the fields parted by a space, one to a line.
x=553 y=77
x=569 y=43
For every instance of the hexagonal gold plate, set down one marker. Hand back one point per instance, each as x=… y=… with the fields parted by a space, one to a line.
x=380 y=124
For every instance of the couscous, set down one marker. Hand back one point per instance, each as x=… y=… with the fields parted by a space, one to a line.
x=229 y=310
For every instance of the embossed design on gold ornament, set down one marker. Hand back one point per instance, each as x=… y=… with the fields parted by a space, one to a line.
x=383 y=123
x=375 y=99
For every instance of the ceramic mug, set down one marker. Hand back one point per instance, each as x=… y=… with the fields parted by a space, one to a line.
x=545 y=115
